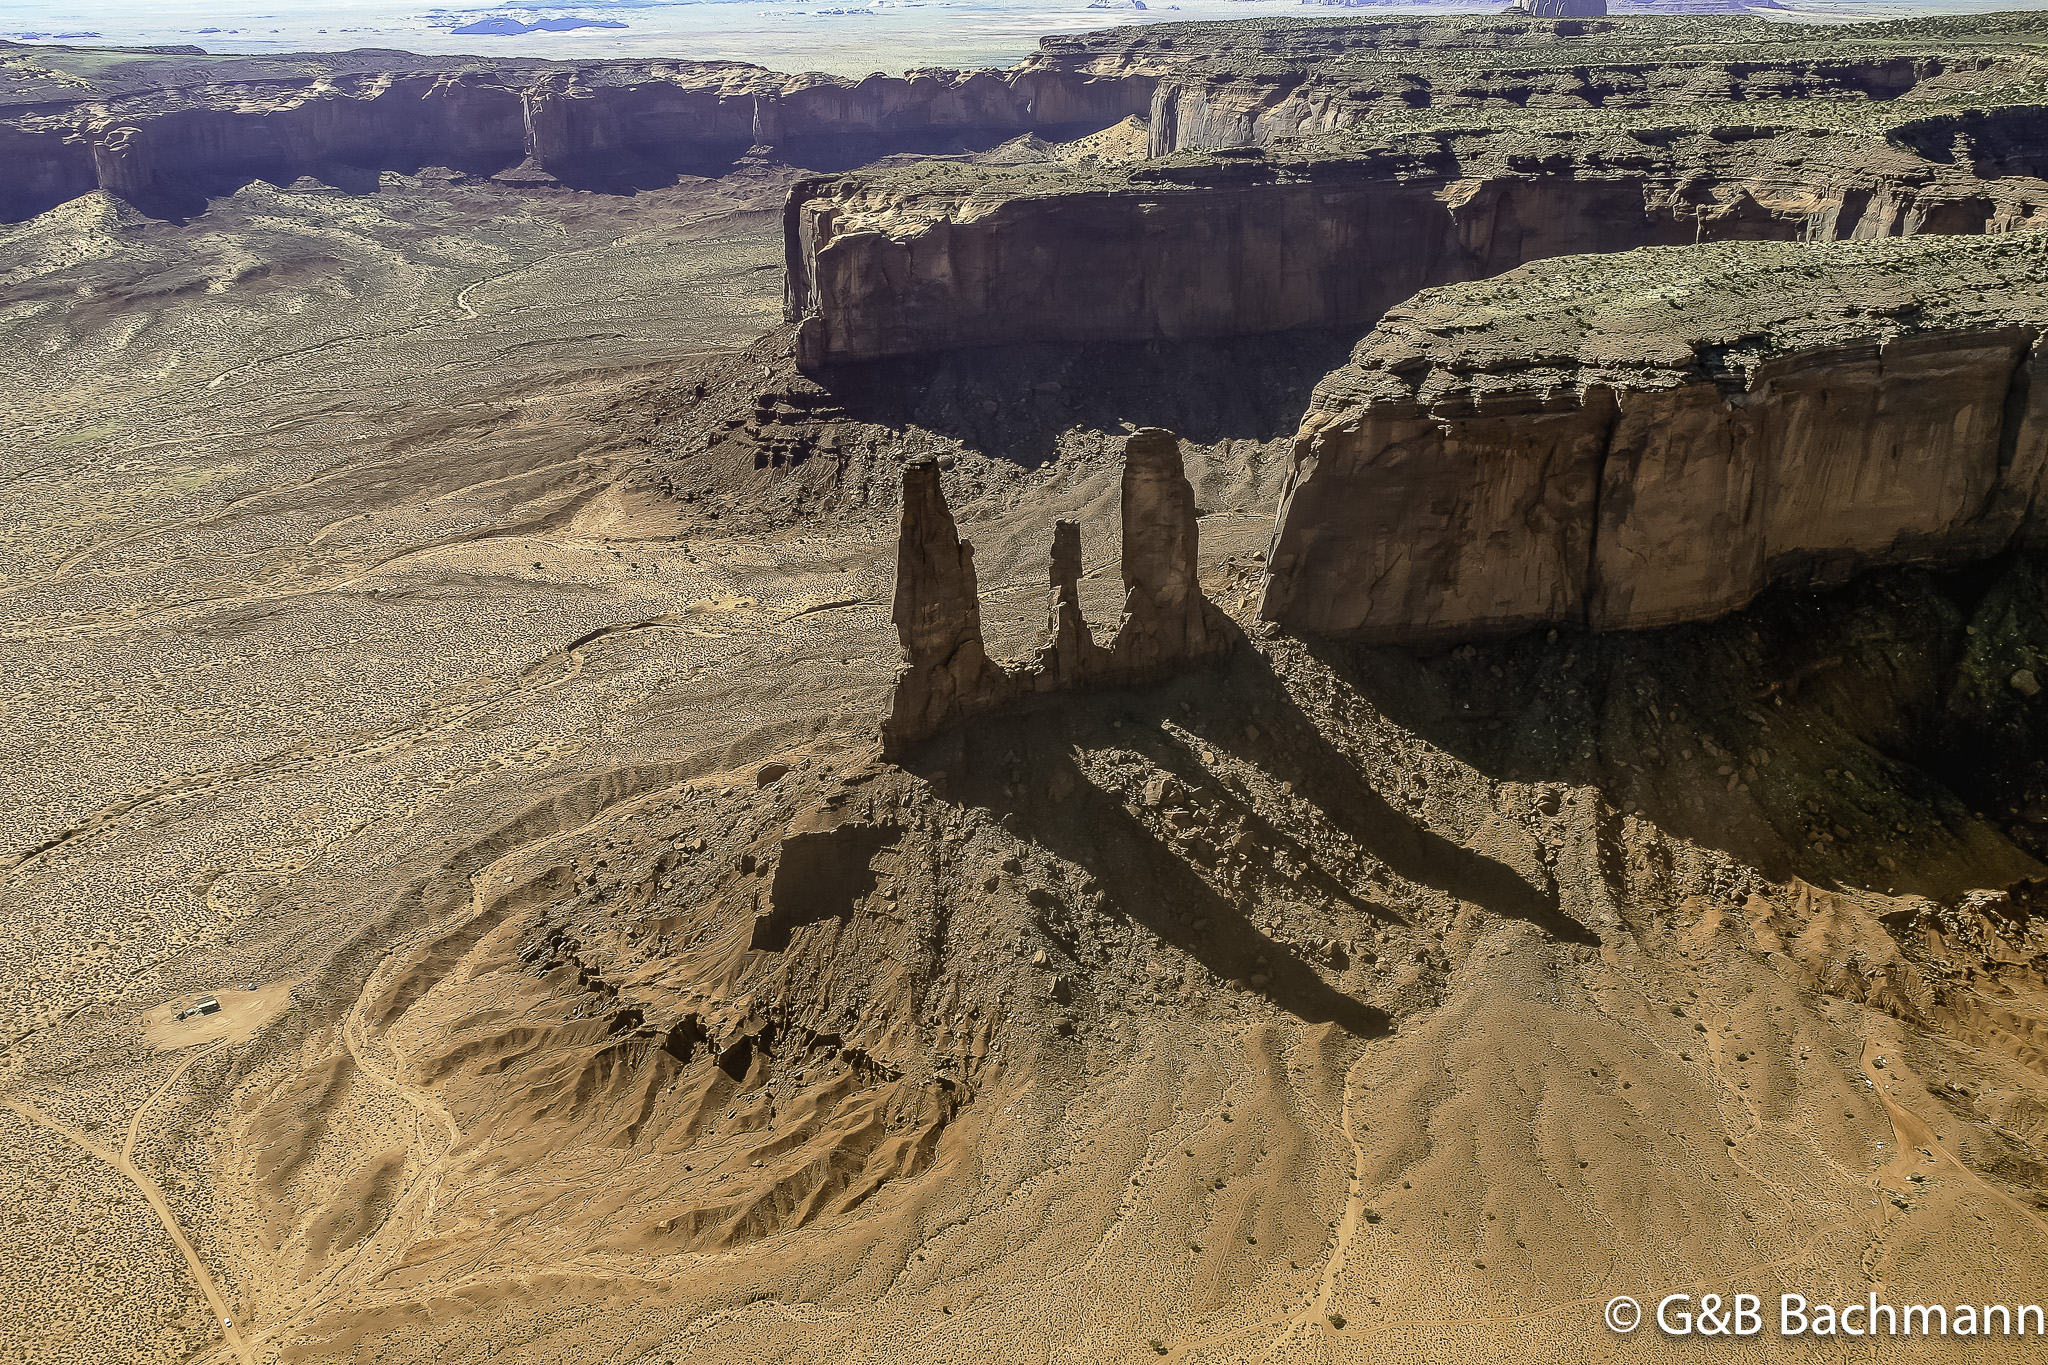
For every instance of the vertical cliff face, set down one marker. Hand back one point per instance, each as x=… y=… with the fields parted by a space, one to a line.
x=1315 y=177
x=180 y=130
x=1097 y=264
x=1319 y=236
x=1167 y=624
x=1197 y=109
x=1559 y=9
x=1920 y=448
x=466 y=123
x=1661 y=435
x=575 y=129
x=42 y=172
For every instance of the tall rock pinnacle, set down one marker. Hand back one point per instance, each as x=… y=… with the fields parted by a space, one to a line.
x=947 y=676
x=1166 y=619
x=937 y=615
x=1070 y=652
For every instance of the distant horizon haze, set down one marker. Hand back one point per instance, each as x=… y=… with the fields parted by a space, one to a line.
x=843 y=37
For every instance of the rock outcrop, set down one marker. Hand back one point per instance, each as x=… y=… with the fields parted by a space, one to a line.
x=1341 y=167
x=164 y=130
x=1411 y=73
x=1557 y=9
x=1167 y=623
x=947 y=673
x=1322 y=232
x=1660 y=435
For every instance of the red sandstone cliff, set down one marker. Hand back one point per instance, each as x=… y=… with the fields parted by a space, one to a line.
x=942 y=256
x=180 y=128
x=1659 y=436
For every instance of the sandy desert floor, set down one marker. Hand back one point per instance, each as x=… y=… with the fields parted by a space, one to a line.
x=392 y=653
x=330 y=555
x=282 y=626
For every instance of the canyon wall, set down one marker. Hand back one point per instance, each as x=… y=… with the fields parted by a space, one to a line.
x=174 y=124
x=1167 y=623
x=1313 y=176
x=1659 y=436
x=217 y=124
x=1319 y=233
x=1198 y=110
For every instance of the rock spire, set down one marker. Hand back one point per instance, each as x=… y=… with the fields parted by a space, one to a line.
x=1167 y=624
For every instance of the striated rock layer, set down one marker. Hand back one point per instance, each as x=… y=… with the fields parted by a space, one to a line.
x=1322 y=233
x=163 y=129
x=1660 y=435
x=1424 y=73
x=1167 y=624
x=1312 y=177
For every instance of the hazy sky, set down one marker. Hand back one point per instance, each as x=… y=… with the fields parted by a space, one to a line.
x=851 y=37
x=848 y=36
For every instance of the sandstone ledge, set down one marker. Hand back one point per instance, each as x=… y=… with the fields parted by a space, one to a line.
x=1659 y=435
x=1332 y=231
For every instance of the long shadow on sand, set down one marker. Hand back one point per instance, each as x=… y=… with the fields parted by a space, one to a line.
x=1144 y=879
x=1820 y=735
x=1026 y=770
x=1293 y=749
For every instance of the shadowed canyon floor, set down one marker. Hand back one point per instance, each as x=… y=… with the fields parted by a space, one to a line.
x=445 y=627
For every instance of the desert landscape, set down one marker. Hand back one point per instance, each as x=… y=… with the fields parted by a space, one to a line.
x=1304 y=689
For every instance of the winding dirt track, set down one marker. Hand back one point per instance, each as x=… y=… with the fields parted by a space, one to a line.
x=121 y=1162
x=350 y=1275
x=532 y=680
x=1910 y=1131
x=353 y=1274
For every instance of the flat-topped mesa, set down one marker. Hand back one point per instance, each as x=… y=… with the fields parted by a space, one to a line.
x=1660 y=435
x=161 y=130
x=164 y=126
x=1394 y=154
x=1167 y=624
x=937 y=257
x=167 y=126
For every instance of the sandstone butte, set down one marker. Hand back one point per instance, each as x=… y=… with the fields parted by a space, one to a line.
x=1659 y=435
x=1309 y=184
x=940 y=256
